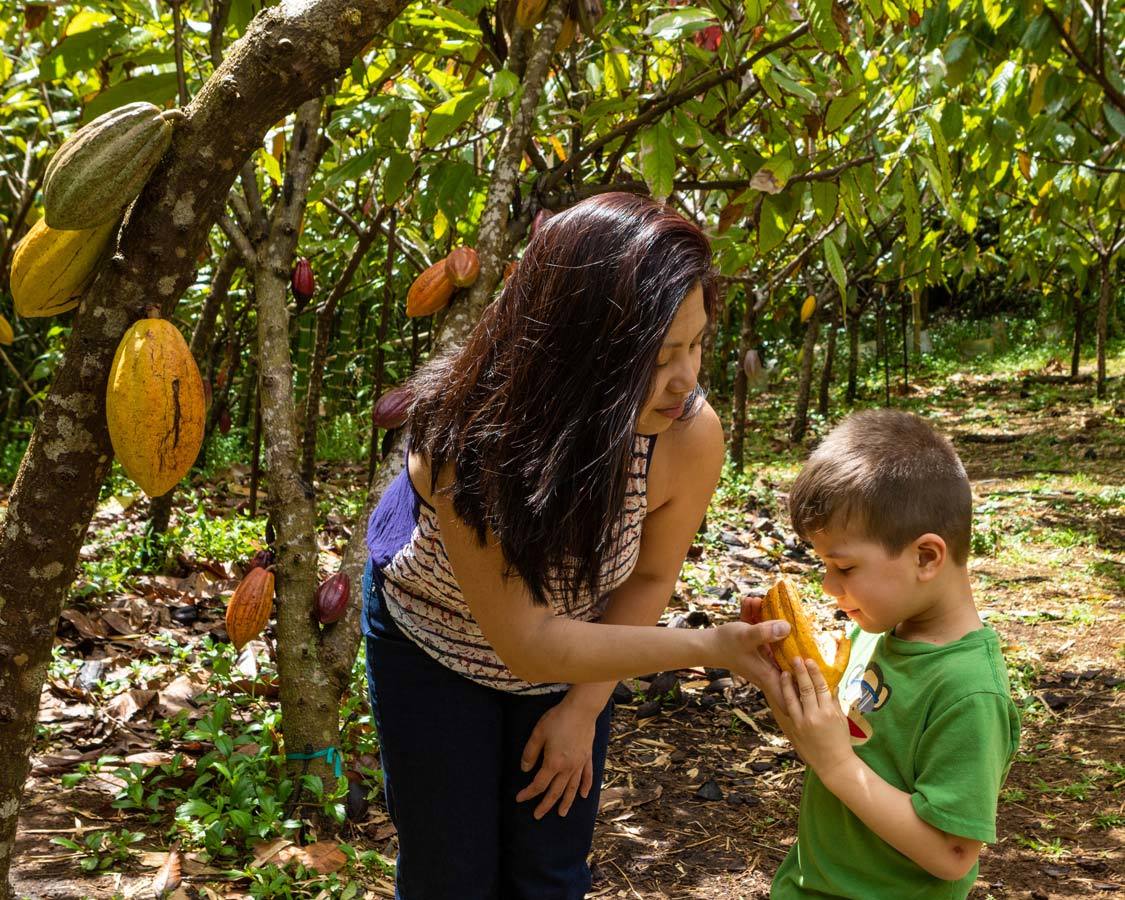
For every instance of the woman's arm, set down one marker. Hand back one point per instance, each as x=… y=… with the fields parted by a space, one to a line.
x=540 y=647
x=689 y=461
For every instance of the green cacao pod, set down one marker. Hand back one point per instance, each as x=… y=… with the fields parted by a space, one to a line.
x=51 y=268
x=102 y=167
x=154 y=405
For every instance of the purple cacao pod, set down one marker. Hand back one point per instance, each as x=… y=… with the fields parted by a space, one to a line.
x=332 y=598
x=752 y=364
x=303 y=283
x=390 y=410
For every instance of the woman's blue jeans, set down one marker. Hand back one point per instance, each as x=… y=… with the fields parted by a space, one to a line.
x=451 y=753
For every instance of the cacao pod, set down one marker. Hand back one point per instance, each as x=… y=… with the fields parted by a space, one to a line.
x=224 y=421
x=51 y=268
x=590 y=13
x=566 y=35
x=7 y=335
x=207 y=395
x=332 y=598
x=752 y=364
x=391 y=410
x=463 y=266
x=34 y=15
x=302 y=281
x=431 y=291
x=249 y=608
x=102 y=167
x=154 y=405
x=709 y=38
x=529 y=13
x=783 y=602
x=263 y=559
x=808 y=308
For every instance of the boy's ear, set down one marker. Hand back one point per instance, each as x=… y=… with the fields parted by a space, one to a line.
x=930 y=553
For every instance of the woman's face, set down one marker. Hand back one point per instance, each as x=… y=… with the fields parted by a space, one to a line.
x=677 y=366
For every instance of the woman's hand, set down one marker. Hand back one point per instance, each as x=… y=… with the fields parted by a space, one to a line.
x=564 y=737
x=745 y=648
x=817 y=726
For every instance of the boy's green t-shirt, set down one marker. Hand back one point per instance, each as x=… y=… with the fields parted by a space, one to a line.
x=935 y=721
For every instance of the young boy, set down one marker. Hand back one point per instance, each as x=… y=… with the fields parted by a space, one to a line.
x=900 y=794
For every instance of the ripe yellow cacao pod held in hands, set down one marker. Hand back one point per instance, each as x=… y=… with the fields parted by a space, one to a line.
x=249 y=608
x=783 y=602
x=51 y=268
x=431 y=291
x=155 y=406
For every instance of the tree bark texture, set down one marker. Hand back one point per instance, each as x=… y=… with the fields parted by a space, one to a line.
x=804 y=386
x=287 y=55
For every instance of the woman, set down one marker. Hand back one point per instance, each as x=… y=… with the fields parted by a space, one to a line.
x=559 y=466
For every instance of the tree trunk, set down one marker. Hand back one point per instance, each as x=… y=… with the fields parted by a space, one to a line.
x=905 y=349
x=1103 y=322
x=57 y=487
x=916 y=313
x=804 y=386
x=742 y=382
x=826 y=373
x=851 y=322
x=324 y=318
x=708 y=349
x=379 y=364
x=1076 y=350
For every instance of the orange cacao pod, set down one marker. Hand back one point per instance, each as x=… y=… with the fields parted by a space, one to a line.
x=529 y=13
x=249 y=606
x=332 y=598
x=783 y=602
x=463 y=266
x=431 y=291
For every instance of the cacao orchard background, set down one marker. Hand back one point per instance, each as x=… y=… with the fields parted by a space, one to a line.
x=888 y=184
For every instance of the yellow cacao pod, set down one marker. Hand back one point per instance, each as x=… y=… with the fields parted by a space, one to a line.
x=566 y=35
x=154 y=405
x=529 y=13
x=783 y=602
x=808 y=308
x=7 y=336
x=249 y=608
x=431 y=291
x=51 y=268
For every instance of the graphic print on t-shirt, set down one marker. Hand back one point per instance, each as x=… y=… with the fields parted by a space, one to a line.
x=873 y=694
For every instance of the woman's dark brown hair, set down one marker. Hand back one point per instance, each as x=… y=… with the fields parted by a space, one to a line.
x=538 y=411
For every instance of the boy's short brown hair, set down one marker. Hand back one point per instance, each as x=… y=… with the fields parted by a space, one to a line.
x=889 y=473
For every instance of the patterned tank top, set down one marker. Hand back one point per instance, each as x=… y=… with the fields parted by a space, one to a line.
x=413 y=575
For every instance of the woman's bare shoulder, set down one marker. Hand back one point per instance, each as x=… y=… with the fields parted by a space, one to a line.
x=688 y=449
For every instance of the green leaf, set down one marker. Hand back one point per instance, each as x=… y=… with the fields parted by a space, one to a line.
x=836 y=269
x=452 y=114
x=773 y=174
x=504 y=84
x=820 y=23
x=156 y=89
x=1115 y=117
x=399 y=169
x=453 y=20
x=82 y=52
x=269 y=165
x=941 y=151
x=825 y=195
x=772 y=227
x=997 y=12
x=658 y=160
x=840 y=110
x=911 y=206
x=679 y=22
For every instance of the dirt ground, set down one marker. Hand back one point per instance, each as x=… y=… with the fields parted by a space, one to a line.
x=701 y=792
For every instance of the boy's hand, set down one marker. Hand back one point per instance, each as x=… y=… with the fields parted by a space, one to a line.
x=817 y=726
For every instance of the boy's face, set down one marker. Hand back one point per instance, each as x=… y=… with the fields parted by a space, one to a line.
x=875 y=589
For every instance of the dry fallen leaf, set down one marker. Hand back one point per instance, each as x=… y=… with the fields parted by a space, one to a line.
x=168 y=878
